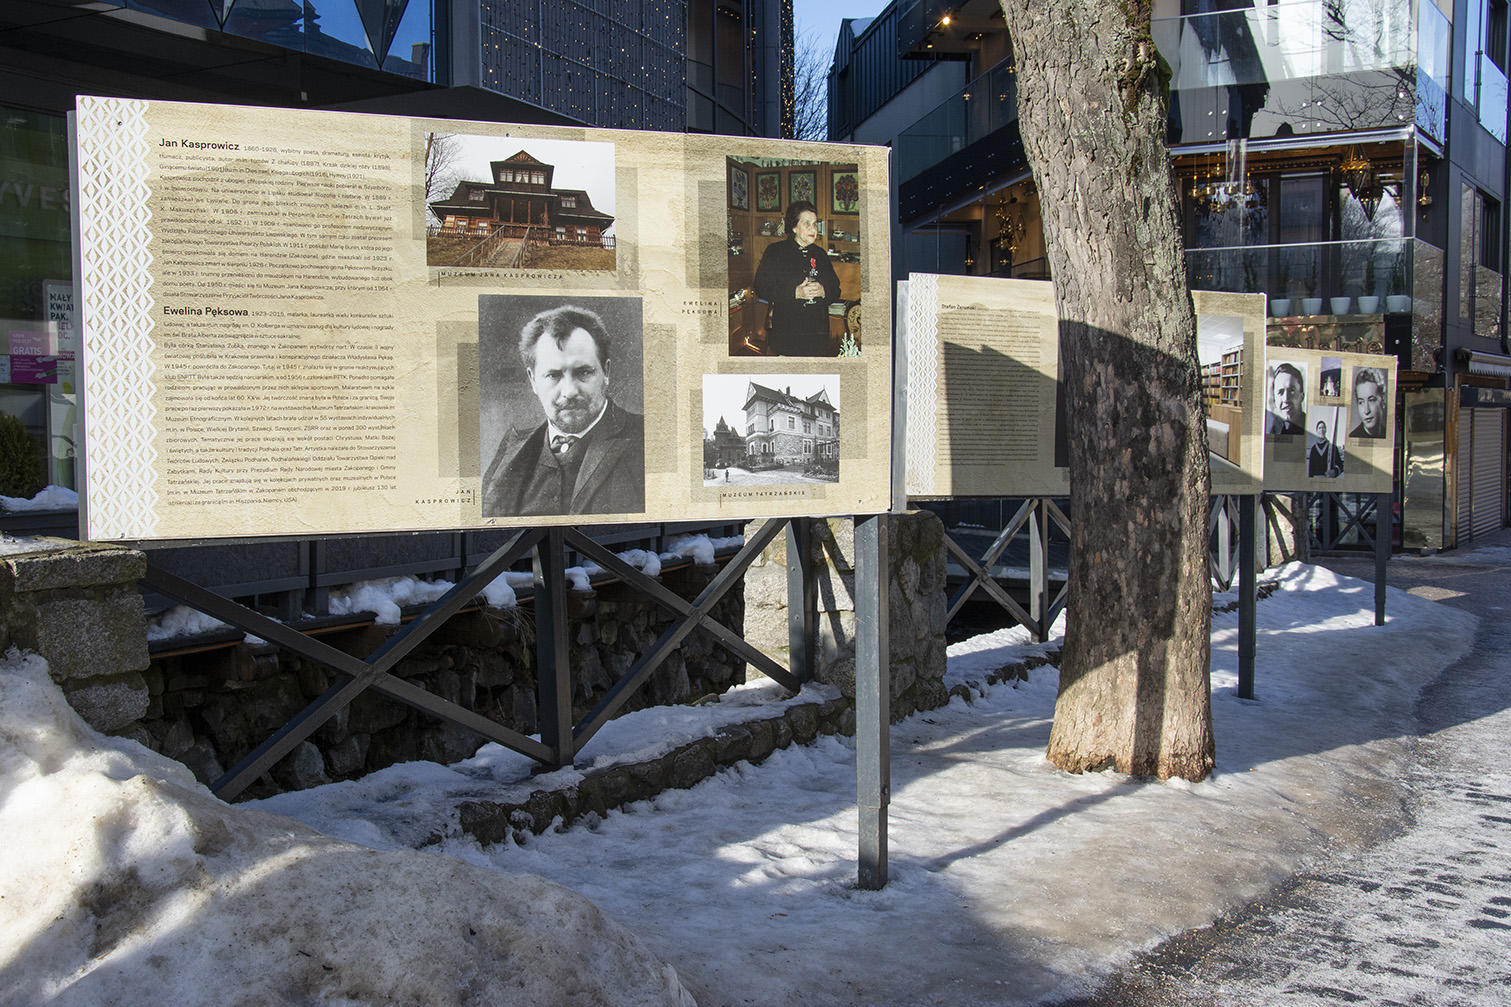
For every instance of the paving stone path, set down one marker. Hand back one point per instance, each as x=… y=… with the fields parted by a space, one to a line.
x=1424 y=918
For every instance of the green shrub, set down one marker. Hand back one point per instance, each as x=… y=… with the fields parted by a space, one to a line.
x=21 y=473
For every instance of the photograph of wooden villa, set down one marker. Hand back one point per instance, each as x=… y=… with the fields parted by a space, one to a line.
x=530 y=209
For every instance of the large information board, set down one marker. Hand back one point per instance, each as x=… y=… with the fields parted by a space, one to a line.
x=985 y=416
x=301 y=323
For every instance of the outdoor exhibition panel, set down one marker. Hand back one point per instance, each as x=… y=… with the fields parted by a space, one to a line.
x=307 y=323
x=1328 y=421
x=984 y=409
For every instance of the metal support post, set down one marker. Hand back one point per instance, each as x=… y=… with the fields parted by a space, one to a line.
x=1038 y=570
x=553 y=677
x=1248 y=590
x=1384 y=519
x=1225 y=540
x=1301 y=520
x=802 y=607
x=873 y=770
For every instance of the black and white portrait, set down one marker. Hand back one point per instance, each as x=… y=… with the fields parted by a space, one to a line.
x=1367 y=406
x=1285 y=399
x=560 y=403
x=1324 y=454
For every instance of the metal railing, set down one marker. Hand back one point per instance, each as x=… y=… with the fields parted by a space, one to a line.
x=292 y=580
x=977 y=110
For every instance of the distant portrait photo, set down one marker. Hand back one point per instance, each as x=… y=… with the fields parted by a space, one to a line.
x=1368 y=412
x=1285 y=399
x=561 y=404
x=1324 y=451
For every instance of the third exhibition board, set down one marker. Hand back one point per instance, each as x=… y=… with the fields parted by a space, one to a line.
x=978 y=358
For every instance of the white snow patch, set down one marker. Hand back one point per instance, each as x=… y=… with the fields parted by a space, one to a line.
x=126 y=882
x=50 y=498
x=22 y=544
x=181 y=620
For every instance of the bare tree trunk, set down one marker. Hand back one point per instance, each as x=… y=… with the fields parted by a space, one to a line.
x=1134 y=692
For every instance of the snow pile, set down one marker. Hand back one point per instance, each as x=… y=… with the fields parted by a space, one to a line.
x=386 y=596
x=181 y=620
x=51 y=498
x=125 y=882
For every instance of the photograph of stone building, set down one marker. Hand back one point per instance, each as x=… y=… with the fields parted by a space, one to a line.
x=513 y=211
x=785 y=429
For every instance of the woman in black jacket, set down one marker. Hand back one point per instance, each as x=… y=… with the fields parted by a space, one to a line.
x=798 y=279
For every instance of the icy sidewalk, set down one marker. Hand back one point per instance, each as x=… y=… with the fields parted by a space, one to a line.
x=1011 y=881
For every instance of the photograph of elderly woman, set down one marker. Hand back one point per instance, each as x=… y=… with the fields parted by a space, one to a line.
x=794 y=259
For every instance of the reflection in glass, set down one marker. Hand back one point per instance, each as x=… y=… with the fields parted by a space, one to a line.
x=1434 y=34
x=1288 y=69
x=1492 y=98
x=979 y=109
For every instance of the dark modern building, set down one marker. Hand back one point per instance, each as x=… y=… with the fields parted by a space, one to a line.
x=1348 y=159
x=697 y=65
x=707 y=66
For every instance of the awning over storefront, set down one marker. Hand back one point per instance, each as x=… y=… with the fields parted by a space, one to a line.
x=1495 y=365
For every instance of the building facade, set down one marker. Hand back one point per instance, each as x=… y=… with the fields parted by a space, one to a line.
x=786 y=429
x=703 y=66
x=519 y=202
x=700 y=65
x=1345 y=157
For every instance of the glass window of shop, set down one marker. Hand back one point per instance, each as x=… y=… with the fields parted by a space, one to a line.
x=39 y=383
x=1319 y=223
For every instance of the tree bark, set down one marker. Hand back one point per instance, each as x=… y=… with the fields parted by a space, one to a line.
x=1134 y=690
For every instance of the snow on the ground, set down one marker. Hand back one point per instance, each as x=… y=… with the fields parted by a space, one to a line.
x=16 y=545
x=1010 y=881
x=402 y=806
x=126 y=882
x=50 y=498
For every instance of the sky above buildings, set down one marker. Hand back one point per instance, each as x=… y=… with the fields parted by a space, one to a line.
x=823 y=16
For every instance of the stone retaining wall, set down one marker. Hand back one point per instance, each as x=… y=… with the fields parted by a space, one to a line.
x=684 y=766
x=77 y=605
x=916 y=596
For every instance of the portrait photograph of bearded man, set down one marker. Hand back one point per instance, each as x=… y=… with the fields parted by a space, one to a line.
x=560 y=398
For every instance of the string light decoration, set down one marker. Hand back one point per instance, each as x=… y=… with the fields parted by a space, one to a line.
x=1010 y=223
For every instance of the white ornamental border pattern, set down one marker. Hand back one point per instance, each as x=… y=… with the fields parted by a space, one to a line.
x=923 y=383
x=116 y=277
